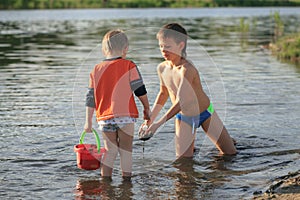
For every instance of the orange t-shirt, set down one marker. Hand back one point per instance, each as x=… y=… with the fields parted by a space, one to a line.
x=112 y=90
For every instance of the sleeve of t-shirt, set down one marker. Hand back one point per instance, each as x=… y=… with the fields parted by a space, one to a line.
x=90 y=97
x=135 y=77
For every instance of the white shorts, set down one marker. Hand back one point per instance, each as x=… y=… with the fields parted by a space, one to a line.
x=112 y=125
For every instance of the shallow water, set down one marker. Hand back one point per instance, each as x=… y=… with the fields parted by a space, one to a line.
x=44 y=64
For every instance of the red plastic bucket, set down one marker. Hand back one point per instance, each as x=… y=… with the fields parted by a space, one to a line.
x=89 y=155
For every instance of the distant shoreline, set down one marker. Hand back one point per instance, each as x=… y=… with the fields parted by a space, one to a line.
x=71 y=4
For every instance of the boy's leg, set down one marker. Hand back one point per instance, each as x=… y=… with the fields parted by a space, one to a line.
x=218 y=134
x=125 y=135
x=111 y=146
x=184 y=139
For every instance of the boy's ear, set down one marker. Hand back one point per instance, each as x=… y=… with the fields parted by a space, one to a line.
x=181 y=45
x=125 y=49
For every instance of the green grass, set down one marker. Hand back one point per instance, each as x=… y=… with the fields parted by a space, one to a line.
x=287 y=48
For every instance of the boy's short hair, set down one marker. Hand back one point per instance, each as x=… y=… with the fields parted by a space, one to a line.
x=175 y=31
x=114 y=41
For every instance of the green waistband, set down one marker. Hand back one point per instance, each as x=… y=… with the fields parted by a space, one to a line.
x=211 y=108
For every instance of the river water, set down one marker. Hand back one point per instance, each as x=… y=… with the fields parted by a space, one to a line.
x=45 y=60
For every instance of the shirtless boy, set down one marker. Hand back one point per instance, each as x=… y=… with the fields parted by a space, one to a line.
x=180 y=81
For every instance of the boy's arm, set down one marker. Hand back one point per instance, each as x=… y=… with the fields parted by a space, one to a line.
x=145 y=102
x=89 y=119
x=176 y=107
x=90 y=107
x=160 y=101
x=170 y=113
x=162 y=95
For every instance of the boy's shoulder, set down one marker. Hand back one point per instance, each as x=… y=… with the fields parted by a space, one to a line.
x=188 y=65
x=185 y=65
x=189 y=68
x=162 y=66
x=124 y=60
x=128 y=61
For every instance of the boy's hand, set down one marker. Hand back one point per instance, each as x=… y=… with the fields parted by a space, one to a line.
x=152 y=129
x=87 y=128
x=143 y=136
x=148 y=131
x=142 y=131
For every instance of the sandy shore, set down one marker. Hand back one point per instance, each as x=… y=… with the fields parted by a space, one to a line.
x=284 y=188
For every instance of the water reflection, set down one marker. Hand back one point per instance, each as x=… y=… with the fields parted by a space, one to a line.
x=186 y=180
x=191 y=183
x=103 y=189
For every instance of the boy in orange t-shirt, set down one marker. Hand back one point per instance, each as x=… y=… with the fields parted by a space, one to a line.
x=111 y=86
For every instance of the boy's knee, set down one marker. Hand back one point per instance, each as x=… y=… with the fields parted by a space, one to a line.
x=109 y=157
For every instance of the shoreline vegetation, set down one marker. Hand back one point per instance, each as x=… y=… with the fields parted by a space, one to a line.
x=71 y=4
x=285 y=47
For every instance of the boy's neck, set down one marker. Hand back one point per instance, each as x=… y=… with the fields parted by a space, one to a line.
x=177 y=62
x=113 y=56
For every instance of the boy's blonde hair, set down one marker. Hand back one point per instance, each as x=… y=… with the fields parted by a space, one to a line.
x=114 y=41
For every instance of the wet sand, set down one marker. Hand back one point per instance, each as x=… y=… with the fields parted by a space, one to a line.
x=285 y=187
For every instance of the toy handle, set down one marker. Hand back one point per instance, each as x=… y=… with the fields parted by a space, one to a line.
x=96 y=136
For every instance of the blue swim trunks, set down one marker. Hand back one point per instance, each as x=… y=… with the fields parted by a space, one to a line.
x=196 y=121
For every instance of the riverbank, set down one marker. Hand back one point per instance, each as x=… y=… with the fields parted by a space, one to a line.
x=62 y=4
x=286 y=187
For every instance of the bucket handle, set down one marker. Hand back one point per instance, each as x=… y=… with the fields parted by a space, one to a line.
x=96 y=136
